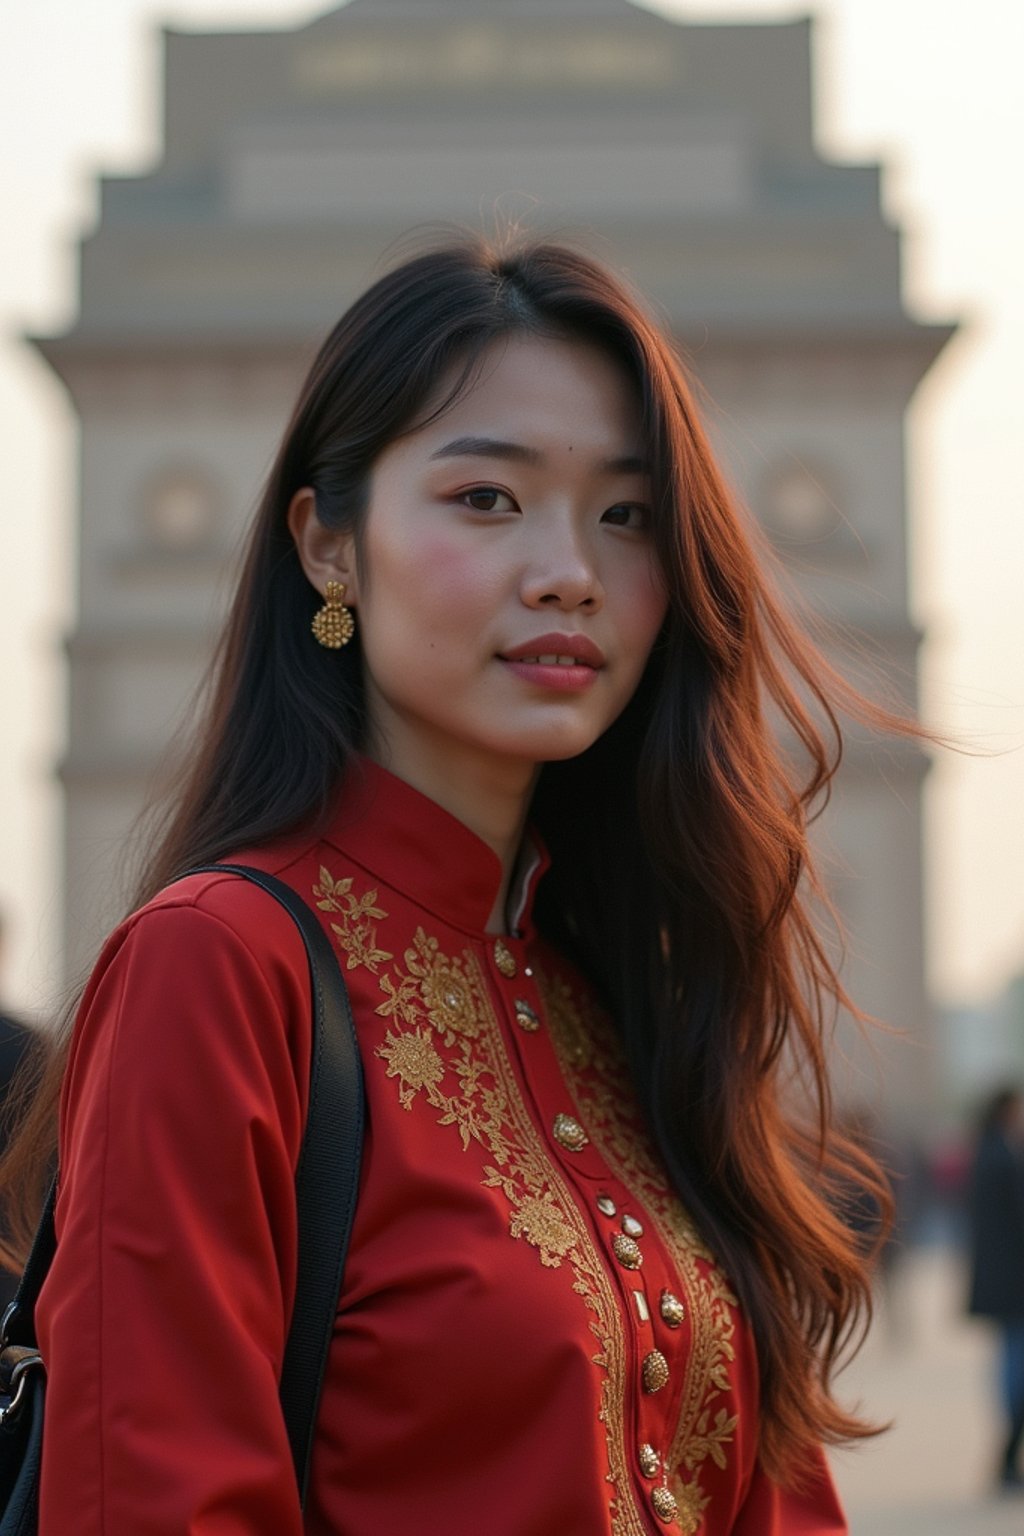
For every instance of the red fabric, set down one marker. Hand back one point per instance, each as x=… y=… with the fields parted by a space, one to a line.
x=487 y=1366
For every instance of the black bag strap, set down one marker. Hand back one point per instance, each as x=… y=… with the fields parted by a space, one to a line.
x=19 y=1324
x=326 y=1183
x=327 y=1177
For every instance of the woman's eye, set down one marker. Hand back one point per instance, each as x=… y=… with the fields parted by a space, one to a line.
x=487 y=498
x=628 y=514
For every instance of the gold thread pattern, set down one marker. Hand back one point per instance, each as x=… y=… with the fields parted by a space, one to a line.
x=445 y=1049
x=356 y=933
x=594 y=1071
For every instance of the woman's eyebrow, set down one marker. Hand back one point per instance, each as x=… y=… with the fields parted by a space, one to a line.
x=488 y=448
x=519 y=453
x=628 y=464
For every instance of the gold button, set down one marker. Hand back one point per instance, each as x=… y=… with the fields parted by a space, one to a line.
x=627 y=1251
x=632 y=1227
x=672 y=1309
x=665 y=1506
x=650 y=1461
x=655 y=1371
x=569 y=1133
x=503 y=959
x=525 y=1017
x=606 y=1205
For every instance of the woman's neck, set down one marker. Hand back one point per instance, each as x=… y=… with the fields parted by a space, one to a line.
x=489 y=796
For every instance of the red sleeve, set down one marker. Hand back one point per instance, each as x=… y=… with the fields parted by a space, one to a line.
x=813 y=1510
x=163 y=1319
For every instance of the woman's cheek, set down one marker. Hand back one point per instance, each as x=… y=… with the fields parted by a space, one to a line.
x=648 y=600
x=458 y=576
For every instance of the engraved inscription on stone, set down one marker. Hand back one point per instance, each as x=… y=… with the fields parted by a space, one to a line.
x=475 y=57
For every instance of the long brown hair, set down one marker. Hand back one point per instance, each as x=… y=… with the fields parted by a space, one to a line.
x=681 y=873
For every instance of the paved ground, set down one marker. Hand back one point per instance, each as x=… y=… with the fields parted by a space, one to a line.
x=929 y=1370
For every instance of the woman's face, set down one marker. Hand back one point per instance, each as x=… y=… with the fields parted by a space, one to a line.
x=507 y=593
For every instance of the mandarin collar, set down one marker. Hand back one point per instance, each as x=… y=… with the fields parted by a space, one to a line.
x=417 y=847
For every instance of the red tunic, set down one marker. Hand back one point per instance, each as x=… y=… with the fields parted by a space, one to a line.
x=507 y=1358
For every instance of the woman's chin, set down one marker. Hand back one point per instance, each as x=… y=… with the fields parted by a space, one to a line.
x=550 y=745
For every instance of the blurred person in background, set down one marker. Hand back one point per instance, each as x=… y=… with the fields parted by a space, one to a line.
x=995 y=1203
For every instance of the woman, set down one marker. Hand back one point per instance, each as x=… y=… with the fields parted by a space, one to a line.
x=522 y=769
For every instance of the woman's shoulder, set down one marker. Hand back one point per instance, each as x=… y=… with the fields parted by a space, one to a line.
x=214 y=899
x=206 y=933
x=215 y=908
x=212 y=933
x=208 y=976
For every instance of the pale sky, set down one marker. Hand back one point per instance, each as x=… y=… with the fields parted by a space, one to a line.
x=931 y=88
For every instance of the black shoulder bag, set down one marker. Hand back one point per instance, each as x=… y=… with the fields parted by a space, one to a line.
x=326 y=1183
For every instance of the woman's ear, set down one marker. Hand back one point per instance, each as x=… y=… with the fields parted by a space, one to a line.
x=324 y=553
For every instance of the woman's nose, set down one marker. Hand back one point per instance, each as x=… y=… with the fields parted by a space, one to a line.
x=562 y=574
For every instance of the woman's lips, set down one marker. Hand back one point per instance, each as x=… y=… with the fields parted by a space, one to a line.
x=561 y=674
x=564 y=663
x=557 y=645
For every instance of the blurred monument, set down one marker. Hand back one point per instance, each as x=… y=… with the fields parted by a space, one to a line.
x=294 y=159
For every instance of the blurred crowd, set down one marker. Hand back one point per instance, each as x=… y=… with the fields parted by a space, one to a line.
x=966 y=1192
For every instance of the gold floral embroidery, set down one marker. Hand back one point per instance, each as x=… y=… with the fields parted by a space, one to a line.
x=412 y=1058
x=536 y=1218
x=594 y=1070
x=433 y=1001
x=434 y=985
x=356 y=934
x=691 y=1503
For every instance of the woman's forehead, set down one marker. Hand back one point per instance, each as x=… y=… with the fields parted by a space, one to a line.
x=533 y=393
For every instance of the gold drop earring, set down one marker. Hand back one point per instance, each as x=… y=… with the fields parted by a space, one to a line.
x=333 y=624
